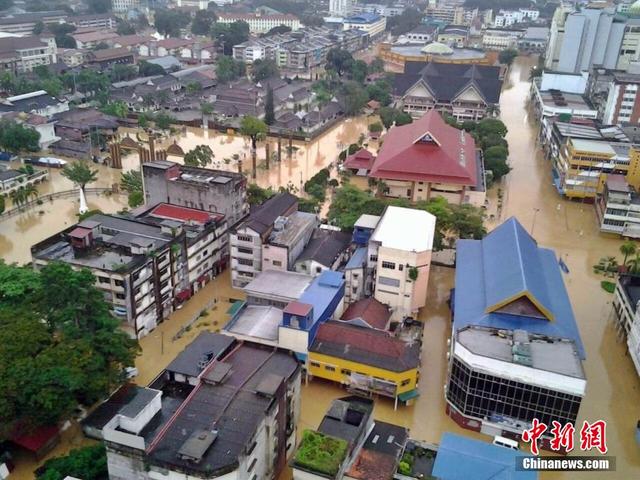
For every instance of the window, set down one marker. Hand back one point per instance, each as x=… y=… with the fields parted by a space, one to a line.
x=245 y=238
x=120 y=296
x=329 y=368
x=345 y=371
x=373 y=258
x=318 y=269
x=244 y=261
x=277 y=263
x=314 y=364
x=389 y=265
x=103 y=279
x=392 y=282
x=405 y=382
x=400 y=267
x=245 y=250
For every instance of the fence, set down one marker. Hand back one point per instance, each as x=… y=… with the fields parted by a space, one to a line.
x=54 y=196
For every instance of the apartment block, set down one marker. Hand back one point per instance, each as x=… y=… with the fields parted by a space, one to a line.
x=147 y=265
x=259 y=23
x=23 y=54
x=221 y=409
x=216 y=191
x=516 y=352
x=618 y=207
x=369 y=23
x=272 y=237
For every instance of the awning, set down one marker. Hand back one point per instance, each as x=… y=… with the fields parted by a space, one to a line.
x=235 y=307
x=410 y=395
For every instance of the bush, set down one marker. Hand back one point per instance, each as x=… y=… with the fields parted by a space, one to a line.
x=88 y=463
x=608 y=287
x=321 y=453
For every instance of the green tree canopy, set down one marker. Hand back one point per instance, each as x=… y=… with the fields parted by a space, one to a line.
x=507 y=56
x=339 y=60
x=269 y=108
x=352 y=97
x=406 y=21
x=228 y=69
x=163 y=121
x=279 y=30
x=263 y=69
x=389 y=115
x=80 y=173
x=230 y=34
x=257 y=195
x=117 y=109
x=147 y=69
x=170 y=22
x=201 y=24
x=16 y=138
x=88 y=463
x=200 y=156
x=98 y=6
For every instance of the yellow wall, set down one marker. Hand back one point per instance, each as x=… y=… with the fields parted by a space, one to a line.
x=340 y=364
x=633 y=174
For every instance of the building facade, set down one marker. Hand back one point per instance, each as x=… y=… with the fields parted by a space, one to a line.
x=22 y=54
x=369 y=23
x=261 y=23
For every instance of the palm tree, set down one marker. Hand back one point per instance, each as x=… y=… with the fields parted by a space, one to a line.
x=80 y=173
x=634 y=264
x=256 y=130
x=30 y=191
x=627 y=248
x=18 y=197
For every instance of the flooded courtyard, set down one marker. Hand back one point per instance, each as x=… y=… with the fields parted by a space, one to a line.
x=613 y=392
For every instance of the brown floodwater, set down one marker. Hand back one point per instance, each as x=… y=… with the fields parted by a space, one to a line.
x=18 y=233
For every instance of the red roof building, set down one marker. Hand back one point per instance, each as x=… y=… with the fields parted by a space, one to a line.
x=369 y=310
x=183 y=214
x=361 y=160
x=429 y=158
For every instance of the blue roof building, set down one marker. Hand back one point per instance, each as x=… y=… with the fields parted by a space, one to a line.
x=507 y=281
x=516 y=347
x=461 y=458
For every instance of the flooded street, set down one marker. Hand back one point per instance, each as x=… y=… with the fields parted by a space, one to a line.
x=613 y=391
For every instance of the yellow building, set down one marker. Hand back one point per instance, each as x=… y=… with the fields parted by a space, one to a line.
x=633 y=174
x=583 y=165
x=365 y=360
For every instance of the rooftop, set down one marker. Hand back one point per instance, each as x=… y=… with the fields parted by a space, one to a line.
x=370 y=311
x=204 y=349
x=617 y=183
x=358 y=259
x=320 y=453
x=257 y=321
x=592 y=146
x=278 y=283
x=405 y=229
x=462 y=458
x=379 y=456
x=261 y=219
x=507 y=281
x=366 y=346
x=428 y=150
x=183 y=214
x=325 y=246
x=367 y=221
x=297 y=226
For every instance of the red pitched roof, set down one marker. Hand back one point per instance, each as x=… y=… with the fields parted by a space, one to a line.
x=449 y=158
x=363 y=158
x=372 y=311
x=183 y=214
x=36 y=440
x=298 y=308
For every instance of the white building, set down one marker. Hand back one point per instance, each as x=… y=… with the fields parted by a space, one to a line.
x=123 y=6
x=400 y=254
x=501 y=39
x=259 y=23
x=506 y=18
x=23 y=54
x=367 y=22
x=341 y=8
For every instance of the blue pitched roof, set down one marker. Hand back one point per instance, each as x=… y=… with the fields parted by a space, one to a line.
x=324 y=293
x=363 y=18
x=461 y=458
x=506 y=265
x=358 y=259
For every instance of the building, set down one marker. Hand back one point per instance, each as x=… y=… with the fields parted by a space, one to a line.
x=201 y=188
x=43 y=125
x=286 y=309
x=272 y=237
x=615 y=94
x=421 y=34
x=89 y=40
x=357 y=281
x=11 y=180
x=534 y=40
x=146 y=266
x=259 y=23
x=626 y=316
x=398 y=56
x=23 y=23
x=618 y=207
x=399 y=252
x=506 y=18
x=124 y=6
x=72 y=57
x=427 y=159
x=379 y=9
x=460 y=458
x=341 y=8
x=352 y=444
x=22 y=54
x=468 y=92
x=365 y=360
x=555 y=94
x=556 y=36
x=99 y=21
x=369 y=23
x=591 y=36
x=501 y=38
x=38 y=102
x=222 y=409
x=109 y=57
x=327 y=250
x=454 y=35
x=514 y=334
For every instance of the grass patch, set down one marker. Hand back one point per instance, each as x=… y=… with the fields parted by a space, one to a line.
x=321 y=453
x=609 y=287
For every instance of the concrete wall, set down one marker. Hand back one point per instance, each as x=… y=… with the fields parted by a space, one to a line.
x=125 y=467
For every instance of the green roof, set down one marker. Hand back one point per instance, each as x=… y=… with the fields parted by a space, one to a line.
x=320 y=453
x=406 y=396
x=235 y=306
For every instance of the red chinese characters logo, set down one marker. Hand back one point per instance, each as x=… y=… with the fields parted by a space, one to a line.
x=592 y=435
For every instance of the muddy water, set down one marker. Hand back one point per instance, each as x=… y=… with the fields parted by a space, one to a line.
x=305 y=160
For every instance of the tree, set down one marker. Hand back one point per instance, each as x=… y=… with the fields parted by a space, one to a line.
x=269 y=114
x=228 y=69
x=201 y=24
x=2 y=204
x=487 y=126
x=352 y=97
x=263 y=69
x=255 y=129
x=80 y=173
x=61 y=32
x=16 y=138
x=98 y=6
x=230 y=34
x=628 y=248
x=163 y=121
x=506 y=57
x=376 y=65
x=117 y=109
x=257 y=195
x=339 y=60
x=390 y=115
x=125 y=28
x=279 y=30
x=170 y=22
x=131 y=182
x=119 y=72
x=89 y=463
x=406 y=21
x=38 y=28
x=375 y=127
x=380 y=91
x=312 y=20
x=147 y=69
x=59 y=345
x=200 y=156
x=359 y=71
